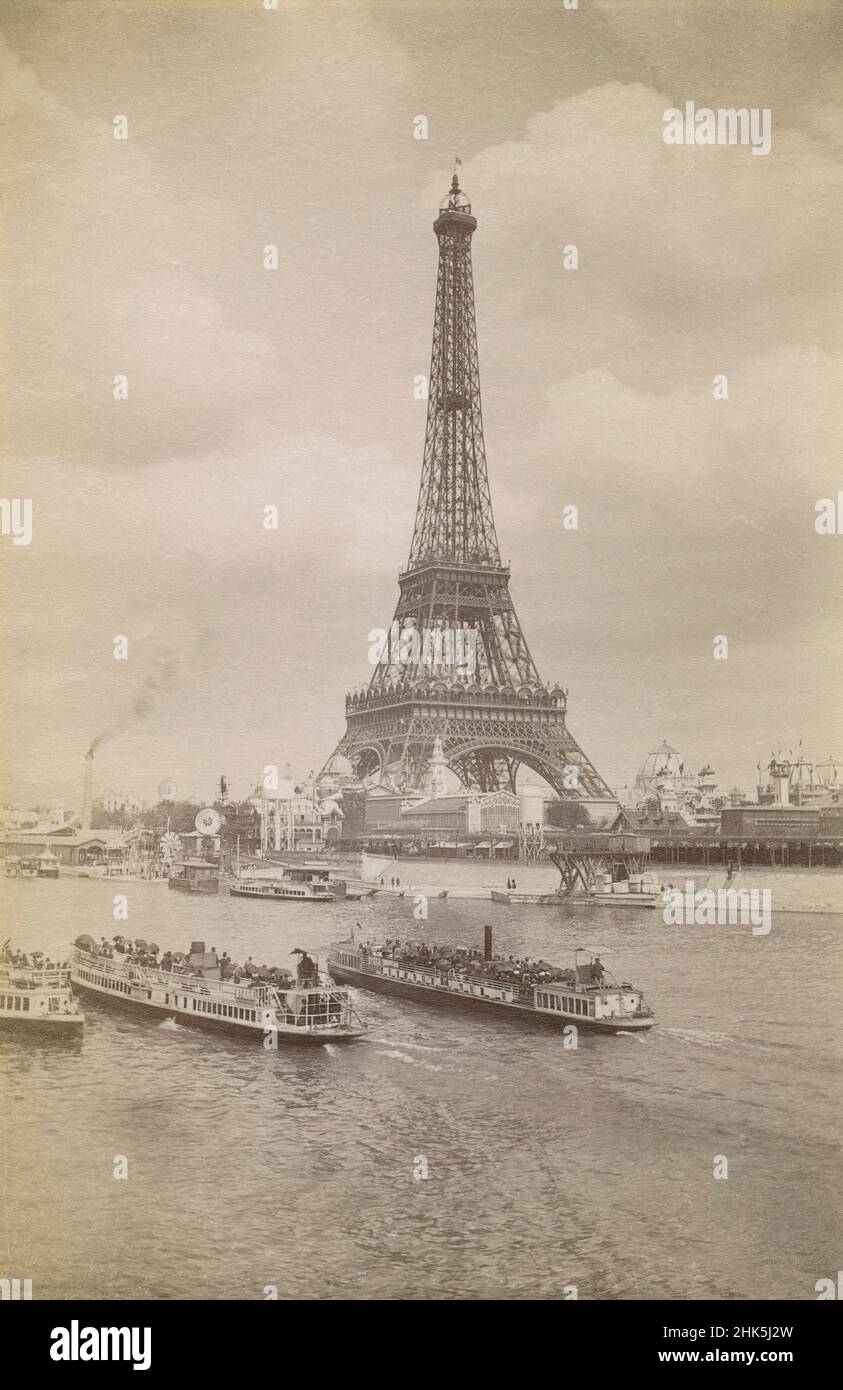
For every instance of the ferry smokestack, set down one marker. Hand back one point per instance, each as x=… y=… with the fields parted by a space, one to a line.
x=487 y=941
x=88 y=791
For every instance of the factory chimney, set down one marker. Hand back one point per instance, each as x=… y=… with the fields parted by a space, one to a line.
x=88 y=791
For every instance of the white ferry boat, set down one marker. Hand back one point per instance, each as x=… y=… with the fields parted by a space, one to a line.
x=302 y=883
x=307 y=1009
x=38 y=999
x=584 y=995
x=310 y=883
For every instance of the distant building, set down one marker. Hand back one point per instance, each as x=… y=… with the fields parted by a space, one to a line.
x=783 y=822
x=383 y=808
x=114 y=802
x=299 y=817
x=479 y=813
x=667 y=785
x=70 y=846
x=797 y=782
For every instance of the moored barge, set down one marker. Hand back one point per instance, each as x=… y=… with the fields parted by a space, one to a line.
x=584 y=995
x=195 y=876
x=307 y=1009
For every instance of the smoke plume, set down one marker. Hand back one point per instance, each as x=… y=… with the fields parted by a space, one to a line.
x=142 y=704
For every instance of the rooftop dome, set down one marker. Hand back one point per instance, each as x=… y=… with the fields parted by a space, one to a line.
x=338 y=766
x=455 y=200
x=829 y=772
x=662 y=762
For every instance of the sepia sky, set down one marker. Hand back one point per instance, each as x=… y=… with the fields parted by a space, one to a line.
x=294 y=387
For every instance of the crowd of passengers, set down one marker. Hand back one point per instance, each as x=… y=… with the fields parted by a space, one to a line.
x=470 y=963
x=36 y=960
x=148 y=954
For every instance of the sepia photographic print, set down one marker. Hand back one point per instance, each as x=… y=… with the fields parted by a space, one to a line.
x=421 y=832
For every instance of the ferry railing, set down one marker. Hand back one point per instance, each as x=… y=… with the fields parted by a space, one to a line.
x=52 y=978
x=225 y=991
x=375 y=964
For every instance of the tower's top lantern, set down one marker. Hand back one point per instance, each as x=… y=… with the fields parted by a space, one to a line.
x=455 y=200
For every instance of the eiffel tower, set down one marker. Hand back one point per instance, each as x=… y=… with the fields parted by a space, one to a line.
x=456 y=681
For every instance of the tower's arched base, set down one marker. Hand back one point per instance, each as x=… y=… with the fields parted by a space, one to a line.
x=486 y=736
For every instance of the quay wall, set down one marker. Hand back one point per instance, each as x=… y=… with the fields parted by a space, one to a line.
x=794 y=890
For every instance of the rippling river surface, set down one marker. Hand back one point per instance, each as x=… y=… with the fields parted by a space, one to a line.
x=547 y=1167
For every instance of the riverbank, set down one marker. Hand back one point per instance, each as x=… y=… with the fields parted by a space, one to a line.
x=793 y=890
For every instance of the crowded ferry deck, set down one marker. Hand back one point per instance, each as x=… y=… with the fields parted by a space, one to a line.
x=36 y=995
x=202 y=988
x=584 y=994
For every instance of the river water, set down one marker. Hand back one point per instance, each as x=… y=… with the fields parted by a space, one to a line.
x=548 y=1168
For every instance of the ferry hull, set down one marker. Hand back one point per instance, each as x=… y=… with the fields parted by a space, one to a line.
x=180 y=885
x=251 y=1034
x=427 y=994
x=48 y=1026
x=537 y=899
x=283 y=897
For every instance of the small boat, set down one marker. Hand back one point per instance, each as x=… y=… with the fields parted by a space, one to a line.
x=273 y=1009
x=301 y=883
x=195 y=876
x=38 y=999
x=510 y=898
x=47 y=864
x=584 y=995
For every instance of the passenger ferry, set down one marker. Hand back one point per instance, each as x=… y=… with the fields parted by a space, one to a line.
x=195 y=876
x=305 y=884
x=310 y=883
x=308 y=1009
x=583 y=995
x=38 y=1000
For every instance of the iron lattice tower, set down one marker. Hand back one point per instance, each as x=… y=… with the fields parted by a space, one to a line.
x=474 y=687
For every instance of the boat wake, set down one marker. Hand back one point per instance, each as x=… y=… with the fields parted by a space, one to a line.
x=693 y=1038
x=412 y=1061
x=169 y=1025
x=404 y=1042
